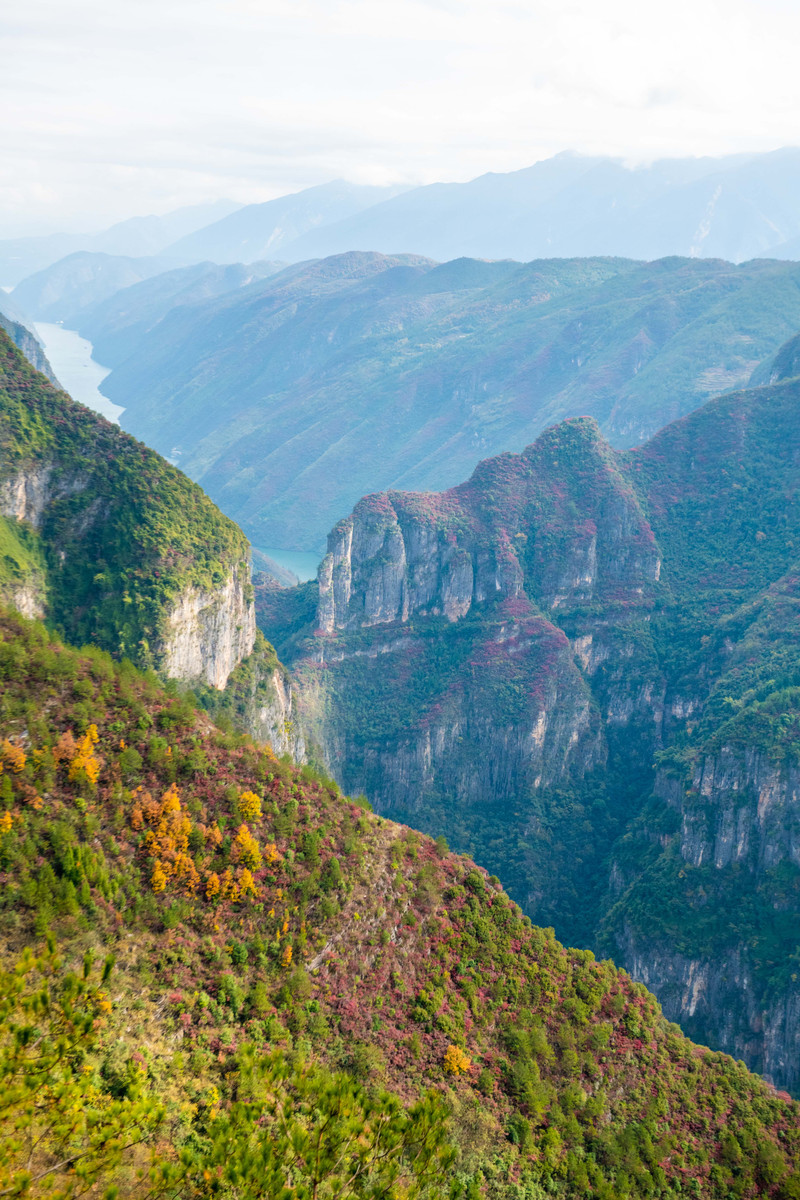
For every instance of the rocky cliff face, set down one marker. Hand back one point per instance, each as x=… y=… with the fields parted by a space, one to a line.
x=26 y=492
x=481 y=738
x=377 y=572
x=514 y=714
x=716 y=1000
x=270 y=715
x=474 y=652
x=27 y=597
x=112 y=543
x=568 y=541
x=736 y=834
x=208 y=633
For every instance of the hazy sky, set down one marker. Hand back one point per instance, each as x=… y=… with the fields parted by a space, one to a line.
x=114 y=108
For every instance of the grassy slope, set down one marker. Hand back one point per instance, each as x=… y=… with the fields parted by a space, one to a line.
x=365 y=944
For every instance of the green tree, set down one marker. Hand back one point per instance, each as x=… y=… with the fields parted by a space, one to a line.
x=300 y=1132
x=61 y=1134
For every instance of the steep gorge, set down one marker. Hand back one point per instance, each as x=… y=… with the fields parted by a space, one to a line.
x=542 y=664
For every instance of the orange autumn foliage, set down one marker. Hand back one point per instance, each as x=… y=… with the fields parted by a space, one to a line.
x=83 y=763
x=13 y=757
x=167 y=840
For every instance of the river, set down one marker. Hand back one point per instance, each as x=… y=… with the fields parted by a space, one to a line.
x=70 y=356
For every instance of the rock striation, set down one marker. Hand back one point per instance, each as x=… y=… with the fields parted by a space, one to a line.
x=736 y=815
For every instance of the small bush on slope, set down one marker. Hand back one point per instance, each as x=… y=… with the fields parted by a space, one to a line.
x=317 y=929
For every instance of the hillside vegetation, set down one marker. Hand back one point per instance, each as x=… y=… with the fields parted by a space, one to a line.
x=250 y=910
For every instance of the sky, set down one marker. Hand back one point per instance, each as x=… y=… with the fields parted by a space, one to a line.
x=118 y=108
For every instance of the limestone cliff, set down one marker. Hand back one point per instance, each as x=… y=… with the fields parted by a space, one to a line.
x=736 y=832
x=259 y=699
x=474 y=650
x=271 y=718
x=205 y=632
x=208 y=633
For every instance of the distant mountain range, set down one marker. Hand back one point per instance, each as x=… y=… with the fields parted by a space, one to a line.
x=292 y=396
x=264 y=231
x=140 y=236
x=736 y=207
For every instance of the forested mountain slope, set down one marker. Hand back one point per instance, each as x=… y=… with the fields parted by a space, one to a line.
x=116 y=326
x=251 y=909
x=110 y=541
x=290 y=398
x=102 y=296
x=582 y=666
x=59 y=292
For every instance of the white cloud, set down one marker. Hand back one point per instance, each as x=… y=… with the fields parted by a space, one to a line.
x=115 y=108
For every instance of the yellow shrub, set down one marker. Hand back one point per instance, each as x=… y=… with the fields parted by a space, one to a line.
x=247 y=885
x=13 y=757
x=456 y=1061
x=84 y=762
x=250 y=806
x=167 y=837
x=229 y=888
x=245 y=849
